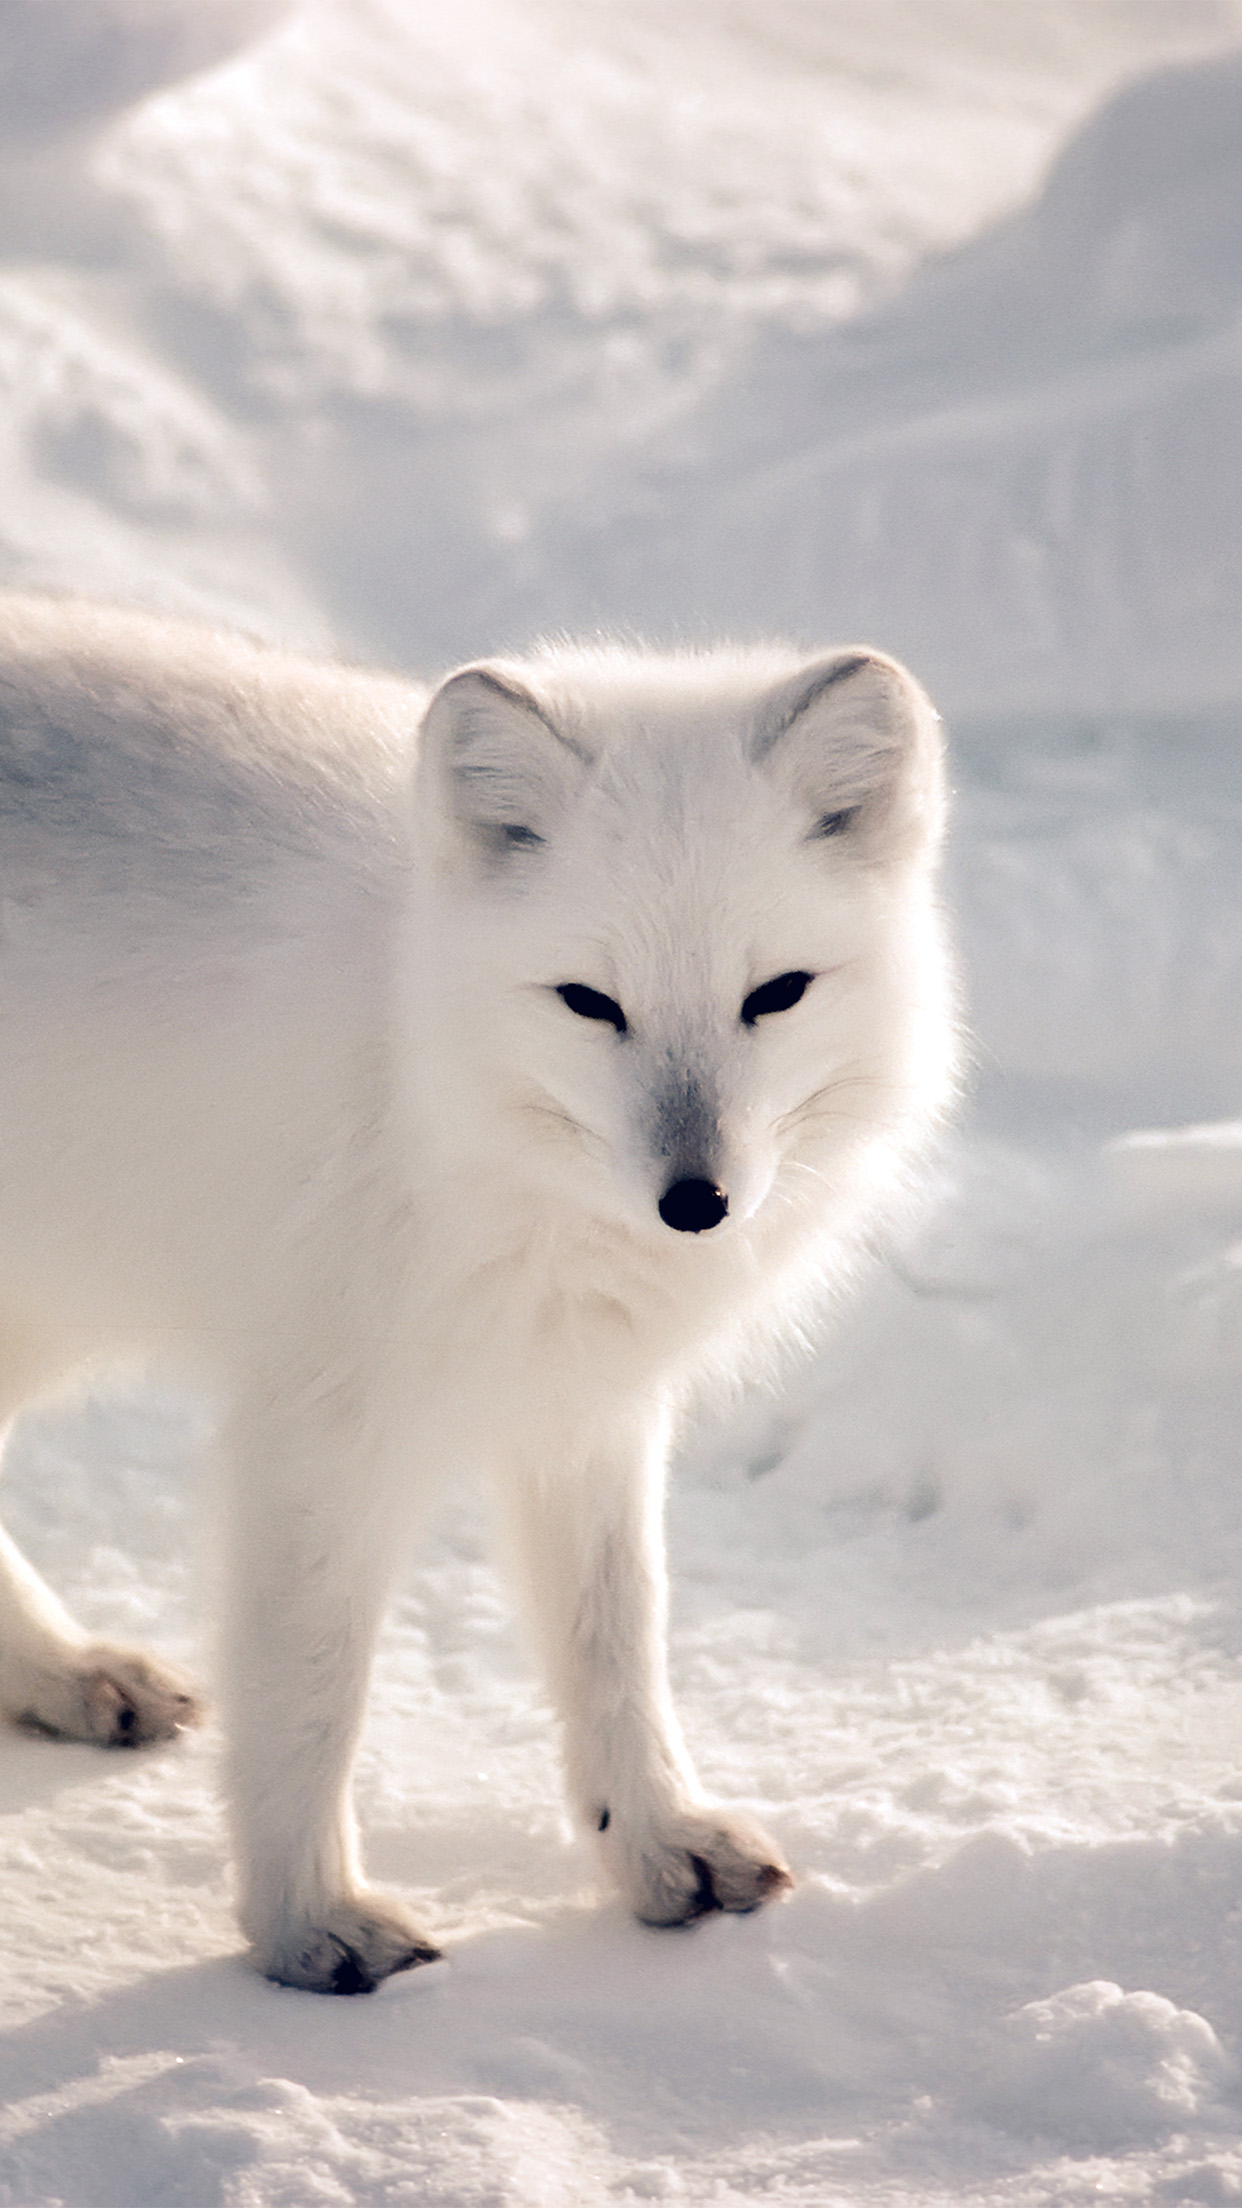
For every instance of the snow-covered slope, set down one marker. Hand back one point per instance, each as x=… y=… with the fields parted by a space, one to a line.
x=439 y=326
x=419 y=328
x=1026 y=471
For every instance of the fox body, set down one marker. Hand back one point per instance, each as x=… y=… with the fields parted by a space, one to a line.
x=442 y=1081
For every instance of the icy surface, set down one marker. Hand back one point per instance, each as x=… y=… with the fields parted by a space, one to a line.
x=419 y=329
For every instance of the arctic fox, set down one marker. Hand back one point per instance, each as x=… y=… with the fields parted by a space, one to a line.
x=442 y=1082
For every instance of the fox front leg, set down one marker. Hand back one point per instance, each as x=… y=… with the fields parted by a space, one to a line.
x=312 y=1540
x=588 y=1541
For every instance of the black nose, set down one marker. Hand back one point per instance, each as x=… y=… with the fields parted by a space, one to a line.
x=693 y=1206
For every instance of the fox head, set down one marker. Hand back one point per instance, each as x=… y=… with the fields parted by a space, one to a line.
x=685 y=963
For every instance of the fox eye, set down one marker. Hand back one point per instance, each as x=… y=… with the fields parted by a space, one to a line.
x=775 y=996
x=835 y=824
x=591 y=1004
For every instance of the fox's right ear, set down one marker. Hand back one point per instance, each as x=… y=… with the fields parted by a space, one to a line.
x=496 y=770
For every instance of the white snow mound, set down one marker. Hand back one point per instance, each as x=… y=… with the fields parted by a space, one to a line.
x=1101 y=2069
x=1025 y=473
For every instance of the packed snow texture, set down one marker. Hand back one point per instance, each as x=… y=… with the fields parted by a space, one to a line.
x=412 y=332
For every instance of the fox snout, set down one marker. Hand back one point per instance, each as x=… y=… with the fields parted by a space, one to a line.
x=688 y=1136
x=692 y=1206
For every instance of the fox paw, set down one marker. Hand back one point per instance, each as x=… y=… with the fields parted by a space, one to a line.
x=356 y=1945
x=697 y=1862
x=115 y=1697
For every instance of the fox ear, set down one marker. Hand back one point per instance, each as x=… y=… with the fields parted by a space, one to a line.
x=861 y=744
x=500 y=773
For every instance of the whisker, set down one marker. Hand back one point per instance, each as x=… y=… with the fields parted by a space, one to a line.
x=815 y=1106
x=556 y=1121
x=819 y=1109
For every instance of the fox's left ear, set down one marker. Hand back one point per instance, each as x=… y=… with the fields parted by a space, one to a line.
x=861 y=743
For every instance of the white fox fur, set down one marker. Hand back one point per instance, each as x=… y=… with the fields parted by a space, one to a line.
x=346 y=1071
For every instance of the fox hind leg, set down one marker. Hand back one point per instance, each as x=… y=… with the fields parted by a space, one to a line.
x=55 y=1676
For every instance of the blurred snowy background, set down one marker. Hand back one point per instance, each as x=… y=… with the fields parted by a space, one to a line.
x=411 y=331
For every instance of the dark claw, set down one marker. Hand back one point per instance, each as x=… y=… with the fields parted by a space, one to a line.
x=416 y=1955
x=704 y=1892
x=349 y=1975
x=352 y=1976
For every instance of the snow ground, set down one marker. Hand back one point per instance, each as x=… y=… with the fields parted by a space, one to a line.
x=415 y=331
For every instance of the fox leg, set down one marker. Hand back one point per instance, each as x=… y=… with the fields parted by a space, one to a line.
x=588 y=1545
x=313 y=1537
x=56 y=1676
